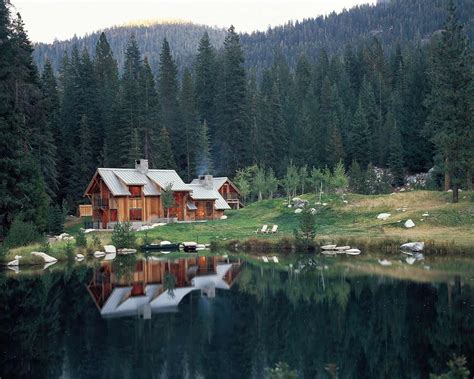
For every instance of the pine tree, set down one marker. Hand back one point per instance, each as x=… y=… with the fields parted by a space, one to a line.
x=164 y=156
x=106 y=75
x=233 y=134
x=360 y=137
x=204 y=164
x=450 y=122
x=149 y=114
x=395 y=157
x=190 y=124
x=169 y=106
x=205 y=78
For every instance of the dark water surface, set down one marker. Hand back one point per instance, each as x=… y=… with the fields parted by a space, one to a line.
x=211 y=317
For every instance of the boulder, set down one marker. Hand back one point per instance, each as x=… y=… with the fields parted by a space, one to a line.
x=99 y=254
x=125 y=251
x=425 y=214
x=223 y=217
x=409 y=224
x=299 y=210
x=299 y=203
x=313 y=211
x=383 y=216
x=79 y=257
x=47 y=258
x=15 y=263
x=413 y=246
x=109 y=249
x=63 y=237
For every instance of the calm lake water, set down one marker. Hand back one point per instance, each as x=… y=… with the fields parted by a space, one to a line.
x=215 y=317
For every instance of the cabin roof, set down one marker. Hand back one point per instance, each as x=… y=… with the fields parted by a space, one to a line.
x=199 y=192
x=165 y=177
x=218 y=182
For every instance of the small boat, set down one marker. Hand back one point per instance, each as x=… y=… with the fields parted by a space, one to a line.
x=189 y=246
x=342 y=248
x=353 y=252
x=328 y=247
x=160 y=247
x=385 y=262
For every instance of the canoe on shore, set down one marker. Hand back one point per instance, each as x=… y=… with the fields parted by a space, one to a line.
x=160 y=247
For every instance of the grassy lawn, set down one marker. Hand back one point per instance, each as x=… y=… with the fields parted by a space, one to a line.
x=357 y=218
x=352 y=218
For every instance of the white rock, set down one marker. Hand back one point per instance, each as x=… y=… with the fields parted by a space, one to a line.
x=385 y=262
x=324 y=204
x=164 y=243
x=345 y=201
x=410 y=260
x=47 y=258
x=413 y=246
x=299 y=210
x=313 y=211
x=15 y=262
x=109 y=249
x=224 y=217
x=425 y=214
x=409 y=224
x=18 y=257
x=110 y=256
x=79 y=257
x=328 y=247
x=383 y=216
x=88 y=231
x=126 y=251
x=63 y=236
x=99 y=254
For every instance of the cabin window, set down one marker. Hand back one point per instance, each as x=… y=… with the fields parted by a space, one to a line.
x=135 y=214
x=209 y=208
x=135 y=191
x=113 y=215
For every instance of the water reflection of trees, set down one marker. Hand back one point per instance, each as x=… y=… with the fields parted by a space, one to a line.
x=365 y=326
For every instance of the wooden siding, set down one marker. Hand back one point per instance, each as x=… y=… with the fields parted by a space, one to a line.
x=85 y=210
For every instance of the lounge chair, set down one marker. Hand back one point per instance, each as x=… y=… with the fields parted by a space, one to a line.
x=273 y=230
x=275 y=259
x=265 y=259
x=263 y=230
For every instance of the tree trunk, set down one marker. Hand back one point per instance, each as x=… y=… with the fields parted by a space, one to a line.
x=455 y=193
x=260 y=197
x=447 y=176
x=469 y=180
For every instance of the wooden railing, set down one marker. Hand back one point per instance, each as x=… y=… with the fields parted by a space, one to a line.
x=231 y=196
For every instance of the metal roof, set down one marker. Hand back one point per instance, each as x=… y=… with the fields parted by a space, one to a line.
x=191 y=206
x=218 y=182
x=221 y=204
x=117 y=181
x=114 y=184
x=131 y=177
x=202 y=193
x=165 y=177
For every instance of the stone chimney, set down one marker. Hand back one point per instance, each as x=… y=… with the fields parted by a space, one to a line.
x=206 y=181
x=141 y=165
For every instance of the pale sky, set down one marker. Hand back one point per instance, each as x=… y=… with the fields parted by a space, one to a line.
x=47 y=20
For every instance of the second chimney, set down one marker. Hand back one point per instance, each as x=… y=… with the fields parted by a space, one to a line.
x=141 y=165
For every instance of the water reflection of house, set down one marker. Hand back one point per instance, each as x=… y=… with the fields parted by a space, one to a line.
x=143 y=292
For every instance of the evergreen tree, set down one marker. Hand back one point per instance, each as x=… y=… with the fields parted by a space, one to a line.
x=360 y=137
x=169 y=106
x=106 y=75
x=164 y=156
x=395 y=157
x=190 y=124
x=232 y=137
x=204 y=164
x=205 y=78
x=149 y=114
x=450 y=122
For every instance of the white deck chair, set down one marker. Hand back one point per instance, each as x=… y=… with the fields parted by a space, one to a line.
x=274 y=229
x=263 y=230
x=275 y=259
x=265 y=259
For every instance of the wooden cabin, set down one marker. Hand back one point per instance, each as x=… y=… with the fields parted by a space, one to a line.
x=224 y=186
x=128 y=295
x=134 y=195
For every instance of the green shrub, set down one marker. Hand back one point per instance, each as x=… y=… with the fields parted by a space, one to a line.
x=21 y=234
x=97 y=243
x=81 y=239
x=69 y=249
x=123 y=235
x=56 y=220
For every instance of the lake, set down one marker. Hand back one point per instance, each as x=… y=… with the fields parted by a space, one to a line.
x=221 y=317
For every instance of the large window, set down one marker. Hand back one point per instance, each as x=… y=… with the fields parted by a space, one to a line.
x=135 y=214
x=135 y=191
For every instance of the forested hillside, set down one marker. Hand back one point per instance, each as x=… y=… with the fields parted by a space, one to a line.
x=399 y=21
x=375 y=110
x=183 y=38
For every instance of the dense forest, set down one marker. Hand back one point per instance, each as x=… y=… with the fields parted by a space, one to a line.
x=398 y=21
x=404 y=107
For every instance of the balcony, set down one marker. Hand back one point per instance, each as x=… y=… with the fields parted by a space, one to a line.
x=231 y=196
x=100 y=203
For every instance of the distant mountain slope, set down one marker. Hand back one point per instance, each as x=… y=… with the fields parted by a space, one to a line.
x=397 y=20
x=182 y=36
